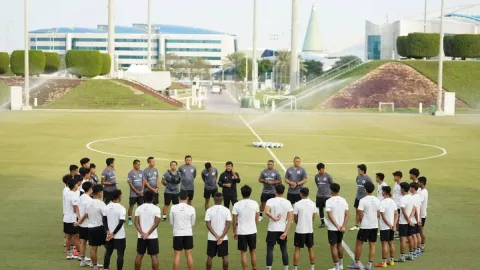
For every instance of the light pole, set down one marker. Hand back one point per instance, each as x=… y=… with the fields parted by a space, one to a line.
x=26 y=87
x=440 y=61
x=149 y=47
x=425 y=18
x=111 y=33
x=293 y=49
x=254 y=53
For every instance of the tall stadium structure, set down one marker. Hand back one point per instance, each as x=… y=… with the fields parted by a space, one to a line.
x=312 y=44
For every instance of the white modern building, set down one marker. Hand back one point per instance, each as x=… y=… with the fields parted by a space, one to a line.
x=381 y=39
x=131 y=42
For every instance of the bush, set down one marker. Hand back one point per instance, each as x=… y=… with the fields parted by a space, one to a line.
x=402 y=46
x=36 y=62
x=448 y=43
x=84 y=63
x=52 y=62
x=420 y=45
x=467 y=46
x=106 y=64
x=4 y=62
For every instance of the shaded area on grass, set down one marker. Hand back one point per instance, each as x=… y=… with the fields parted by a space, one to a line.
x=4 y=93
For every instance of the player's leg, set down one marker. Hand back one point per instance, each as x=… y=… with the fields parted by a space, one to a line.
x=191 y=193
x=206 y=196
x=223 y=253
x=188 y=246
x=361 y=237
x=243 y=257
x=120 y=245
x=340 y=250
x=311 y=251
x=252 y=244
x=226 y=200
x=422 y=235
x=188 y=254
x=321 y=205
x=131 y=204
x=167 y=199
x=391 y=246
x=176 y=259
x=357 y=216
x=296 y=257
x=154 y=262
x=141 y=249
x=108 y=254
x=283 y=251
x=211 y=252
x=153 y=250
x=271 y=240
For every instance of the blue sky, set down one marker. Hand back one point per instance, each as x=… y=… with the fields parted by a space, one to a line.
x=341 y=22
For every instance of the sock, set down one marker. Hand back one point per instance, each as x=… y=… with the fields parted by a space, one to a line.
x=269 y=268
x=285 y=267
x=357 y=225
x=129 y=218
x=422 y=246
x=322 y=220
x=295 y=267
x=261 y=214
x=384 y=260
x=357 y=261
x=402 y=256
x=312 y=266
x=411 y=254
x=164 y=216
x=341 y=261
x=369 y=264
x=337 y=266
x=392 y=259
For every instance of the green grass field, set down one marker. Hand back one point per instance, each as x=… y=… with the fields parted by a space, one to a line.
x=37 y=148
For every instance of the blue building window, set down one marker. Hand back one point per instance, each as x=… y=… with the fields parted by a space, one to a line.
x=85 y=48
x=193 y=41
x=132 y=49
x=192 y=50
x=49 y=39
x=135 y=57
x=373 y=47
x=89 y=40
x=131 y=40
x=211 y=58
x=48 y=48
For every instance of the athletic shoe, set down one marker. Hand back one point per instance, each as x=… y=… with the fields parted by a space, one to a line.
x=381 y=265
x=130 y=223
x=322 y=225
x=409 y=258
x=367 y=268
x=84 y=263
x=69 y=256
x=355 y=228
x=400 y=260
x=87 y=259
x=353 y=266
x=391 y=263
x=341 y=268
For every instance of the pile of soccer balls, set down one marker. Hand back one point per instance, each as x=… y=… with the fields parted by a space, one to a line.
x=268 y=144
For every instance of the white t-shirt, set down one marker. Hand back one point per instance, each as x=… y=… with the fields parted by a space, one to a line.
x=337 y=205
x=418 y=205
x=71 y=199
x=379 y=190
x=305 y=209
x=388 y=207
x=95 y=213
x=407 y=203
x=147 y=213
x=182 y=218
x=246 y=211
x=279 y=207
x=83 y=204
x=115 y=212
x=217 y=215
x=397 y=194
x=370 y=206
x=80 y=189
x=423 y=210
x=65 y=190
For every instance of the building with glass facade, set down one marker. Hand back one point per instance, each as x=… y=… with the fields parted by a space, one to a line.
x=381 y=39
x=131 y=43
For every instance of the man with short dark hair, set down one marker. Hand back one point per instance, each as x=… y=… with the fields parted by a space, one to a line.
x=188 y=173
x=361 y=179
x=171 y=179
x=407 y=205
x=380 y=177
x=337 y=219
x=280 y=212
x=218 y=220
x=228 y=181
x=83 y=204
x=388 y=221
x=182 y=218
x=137 y=186
x=85 y=173
x=147 y=217
x=151 y=177
x=304 y=213
x=245 y=219
x=93 y=176
x=109 y=181
x=70 y=216
x=113 y=221
x=414 y=173
x=85 y=163
x=269 y=177
x=209 y=177
x=323 y=180
x=295 y=178
x=422 y=182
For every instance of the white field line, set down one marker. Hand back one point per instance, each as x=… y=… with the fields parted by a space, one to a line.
x=345 y=246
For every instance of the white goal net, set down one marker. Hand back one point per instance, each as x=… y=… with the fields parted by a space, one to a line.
x=386 y=106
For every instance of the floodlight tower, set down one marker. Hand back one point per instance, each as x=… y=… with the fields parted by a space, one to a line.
x=149 y=41
x=440 y=61
x=293 y=48
x=111 y=33
x=26 y=87
x=254 y=53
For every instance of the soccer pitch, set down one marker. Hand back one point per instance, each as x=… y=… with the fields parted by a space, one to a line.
x=37 y=147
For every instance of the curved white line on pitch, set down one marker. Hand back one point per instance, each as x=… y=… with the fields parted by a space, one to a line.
x=444 y=151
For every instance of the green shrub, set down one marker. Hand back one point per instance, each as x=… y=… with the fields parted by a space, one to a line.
x=420 y=45
x=106 y=64
x=4 y=62
x=448 y=43
x=52 y=62
x=36 y=61
x=84 y=63
x=467 y=46
x=402 y=46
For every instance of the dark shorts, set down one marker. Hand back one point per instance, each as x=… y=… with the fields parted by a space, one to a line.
x=274 y=237
x=386 y=235
x=355 y=204
x=335 y=237
x=217 y=250
x=136 y=200
x=182 y=243
x=117 y=244
x=246 y=242
x=69 y=229
x=83 y=233
x=265 y=197
x=423 y=221
x=97 y=236
x=150 y=246
x=404 y=230
x=303 y=239
x=190 y=193
x=320 y=202
x=170 y=198
x=367 y=235
x=293 y=198
x=155 y=198
x=208 y=193
x=415 y=229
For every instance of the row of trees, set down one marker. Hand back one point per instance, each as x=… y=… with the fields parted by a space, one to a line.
x=422 y=45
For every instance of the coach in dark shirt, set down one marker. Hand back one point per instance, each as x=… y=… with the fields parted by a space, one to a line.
x=228 y=181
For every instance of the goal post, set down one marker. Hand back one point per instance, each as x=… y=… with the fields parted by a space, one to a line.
x=384 y=106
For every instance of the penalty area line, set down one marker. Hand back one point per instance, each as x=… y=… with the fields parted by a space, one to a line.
x=345 y=246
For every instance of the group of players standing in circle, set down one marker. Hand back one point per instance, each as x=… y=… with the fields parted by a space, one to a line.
x=92 y=212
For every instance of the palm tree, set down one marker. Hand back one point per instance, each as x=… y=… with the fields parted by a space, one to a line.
x=282 y=66
x=233 y=60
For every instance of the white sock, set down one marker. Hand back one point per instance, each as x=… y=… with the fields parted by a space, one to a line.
x=312 y=266
x=341 y=262
x=337 y=266
x=295 y=267
x=285 y=267
x=269 y=268
x=164 y=216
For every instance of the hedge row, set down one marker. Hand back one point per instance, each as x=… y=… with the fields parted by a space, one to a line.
x=52 y=62
x=4 y=62
x=36 y=60
x=463 y=46
x=87 y=63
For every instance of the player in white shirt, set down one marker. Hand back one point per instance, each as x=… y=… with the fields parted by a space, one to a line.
x=337 y=219
x=405 y=221
x=96 y=231
x=397 y=196
x=280 y=212
x=422 y=181
x=83 y=204
x=182 y=218
x=218 y=220
x=368 y=210
x=114 y=215
x=380 y=177
x=304 y=213
x=388 y=221
x=147 y=217
x=246 y=214
x=70 y=217
x=85 y=174
x=417 y=239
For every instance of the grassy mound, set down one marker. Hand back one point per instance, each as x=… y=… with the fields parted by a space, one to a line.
x=106 y=94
